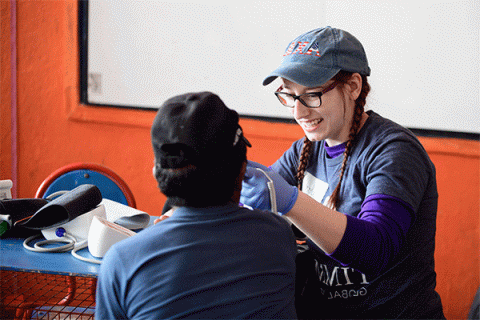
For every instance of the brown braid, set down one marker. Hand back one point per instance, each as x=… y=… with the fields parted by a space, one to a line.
x=341 y=77
x=333 y=201
x=357 y=117
x=303 y=161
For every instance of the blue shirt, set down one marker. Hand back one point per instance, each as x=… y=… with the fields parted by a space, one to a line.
x=221 y=262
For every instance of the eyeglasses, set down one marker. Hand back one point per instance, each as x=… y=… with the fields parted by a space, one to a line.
x=309 y=100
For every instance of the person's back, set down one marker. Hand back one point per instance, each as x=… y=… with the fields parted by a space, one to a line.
x=211 y=258
x=222 y=262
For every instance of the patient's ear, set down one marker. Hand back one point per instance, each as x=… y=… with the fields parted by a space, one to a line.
x=238 y=183
x=243 y=170
x=241 y=176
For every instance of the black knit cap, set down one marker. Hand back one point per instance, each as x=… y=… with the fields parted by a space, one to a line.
x=194 y=128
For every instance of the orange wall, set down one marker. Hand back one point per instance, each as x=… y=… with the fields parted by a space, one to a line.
x=54 y=130
x=5 y=88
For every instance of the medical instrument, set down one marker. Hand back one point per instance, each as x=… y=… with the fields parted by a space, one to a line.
x=73 y=233
x=271 y=189
x=97 y=229
x=13 y=211
x=103 y=234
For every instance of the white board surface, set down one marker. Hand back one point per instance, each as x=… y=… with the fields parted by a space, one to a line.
x=424 y=55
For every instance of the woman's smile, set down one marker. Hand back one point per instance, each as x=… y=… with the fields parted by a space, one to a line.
x=310 y=125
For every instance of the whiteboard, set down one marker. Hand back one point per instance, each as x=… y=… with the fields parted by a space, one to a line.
x=424 y=55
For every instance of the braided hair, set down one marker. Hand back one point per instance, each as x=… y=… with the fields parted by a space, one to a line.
x=342 y=77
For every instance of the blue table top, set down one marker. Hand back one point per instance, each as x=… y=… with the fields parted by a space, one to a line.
x=13 y=256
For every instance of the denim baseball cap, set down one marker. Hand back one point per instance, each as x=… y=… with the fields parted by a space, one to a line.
x=315 y=57
x=194 y=128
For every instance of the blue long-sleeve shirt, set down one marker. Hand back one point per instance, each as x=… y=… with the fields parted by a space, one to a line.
x=221 y=262
x=384 y=264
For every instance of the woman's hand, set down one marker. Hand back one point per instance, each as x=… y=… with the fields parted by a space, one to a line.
x=256 y=192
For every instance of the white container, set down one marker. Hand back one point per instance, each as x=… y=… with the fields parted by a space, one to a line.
x=6 y=189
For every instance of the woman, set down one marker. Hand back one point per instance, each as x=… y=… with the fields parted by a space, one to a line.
x=359 y=186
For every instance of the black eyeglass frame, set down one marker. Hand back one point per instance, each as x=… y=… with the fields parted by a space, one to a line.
x=318 y=94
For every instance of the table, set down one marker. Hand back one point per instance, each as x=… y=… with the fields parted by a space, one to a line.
x=36 y=285
x=15 y=257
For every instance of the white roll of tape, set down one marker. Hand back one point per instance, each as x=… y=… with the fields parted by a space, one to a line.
x=103 y=234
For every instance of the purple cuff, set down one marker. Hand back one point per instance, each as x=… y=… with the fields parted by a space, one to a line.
x=373 y=238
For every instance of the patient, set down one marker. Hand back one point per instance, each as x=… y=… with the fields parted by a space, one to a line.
x=211 y=258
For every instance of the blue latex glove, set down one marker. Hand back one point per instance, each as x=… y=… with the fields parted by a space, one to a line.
x=256 y=194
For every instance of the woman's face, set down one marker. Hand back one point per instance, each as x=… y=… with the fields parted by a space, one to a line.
x=331 y=121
